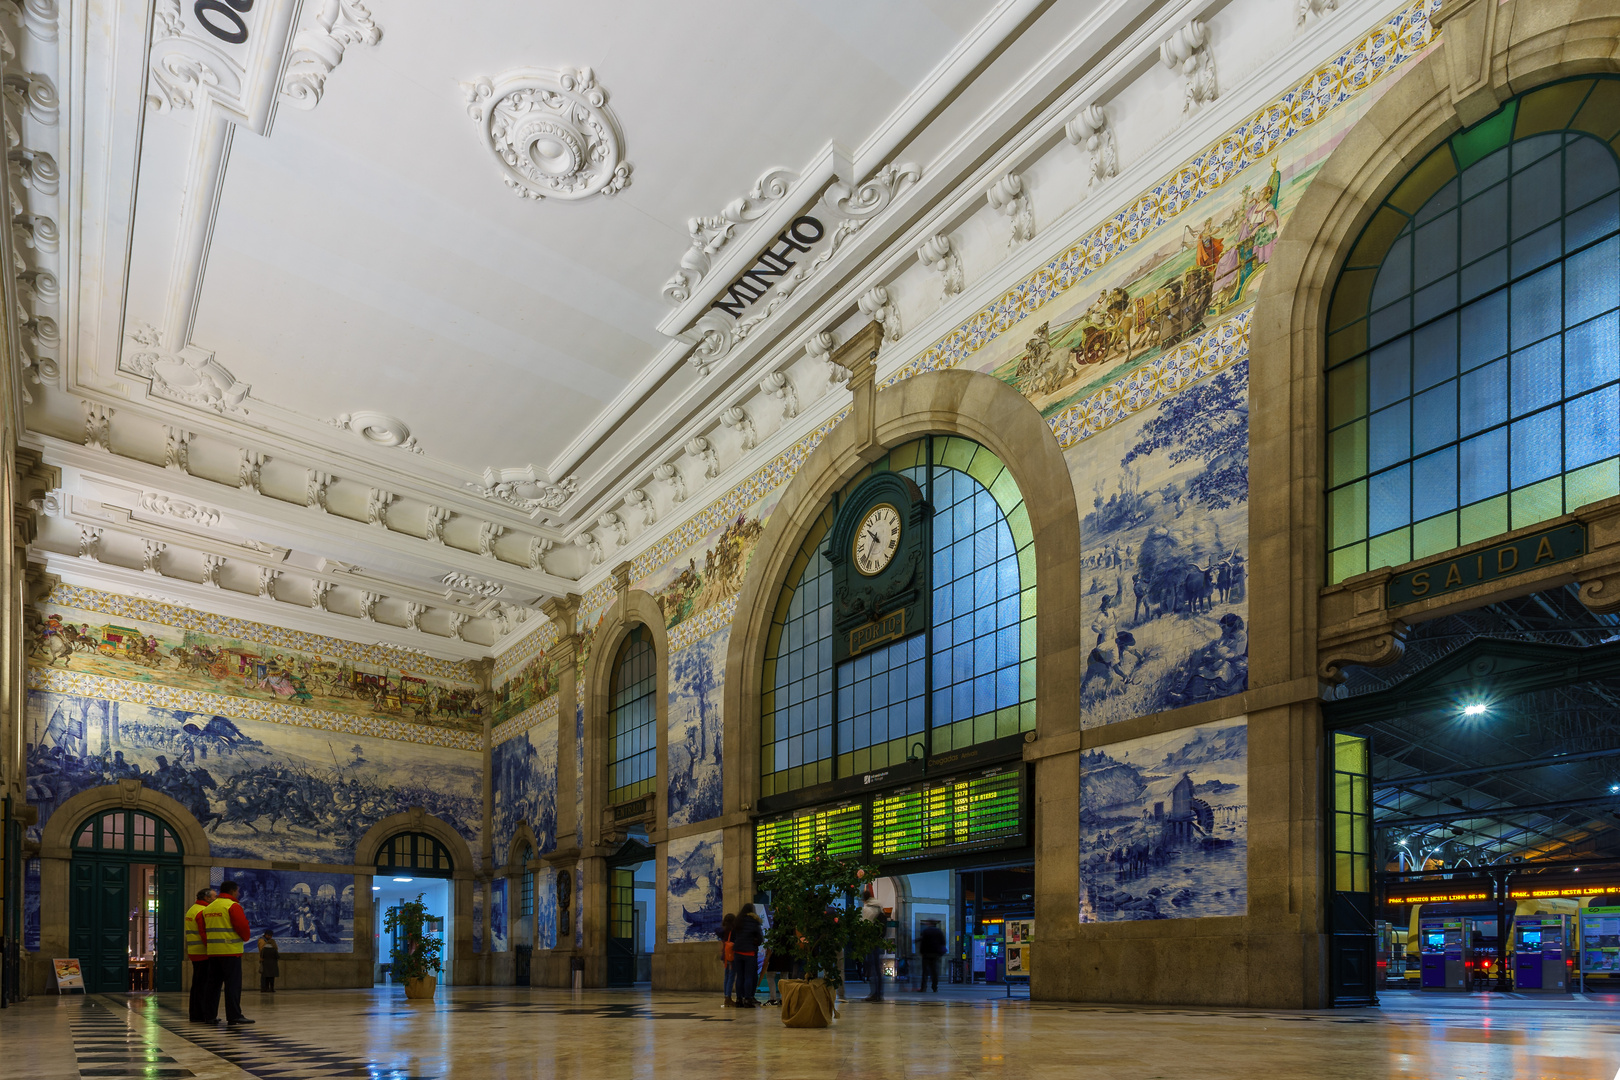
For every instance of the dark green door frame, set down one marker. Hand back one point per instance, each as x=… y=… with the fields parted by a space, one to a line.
x=621 y=940
x=99 y=902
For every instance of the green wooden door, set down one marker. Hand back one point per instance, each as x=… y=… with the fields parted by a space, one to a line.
x=621 y=943
x=98 y=928
x=171 y=939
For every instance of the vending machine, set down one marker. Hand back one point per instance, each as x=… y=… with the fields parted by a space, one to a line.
x=1444 y=953
x=1542 y=947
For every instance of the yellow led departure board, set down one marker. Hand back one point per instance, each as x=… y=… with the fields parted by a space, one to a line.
x=842 y=826
x=928 y=820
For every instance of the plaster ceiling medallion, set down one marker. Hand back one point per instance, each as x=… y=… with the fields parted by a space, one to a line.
x=192 y=378
x=378 y=429
x=711 y=234
x=552 y=131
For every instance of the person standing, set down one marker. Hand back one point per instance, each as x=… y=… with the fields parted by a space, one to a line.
x=931 y=945
x=745 y=943
x=728 y=927
x=225 y=929
x=778 y=962
x=197 y=953
x=269 y=963
x=872 y=911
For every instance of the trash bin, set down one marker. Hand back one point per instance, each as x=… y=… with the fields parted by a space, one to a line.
x=576 y=965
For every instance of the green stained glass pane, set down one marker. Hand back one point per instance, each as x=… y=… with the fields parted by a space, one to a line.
x=1485 y=137
x=1347 y=514
x=1347 y=392
x=1018 y=522
x=1349 y=755
x=1006 y=721
x=1026 y=639
x=1390 y=549
x=1347 y=562
x=1538 y=502
x=1027 y=604
x=1026 y=716
x=984 y=727
x=958 y=453
x=985 y=468
x=1437 y=534
x=1005 y=491
x=1589 y=485
x=1483 y=520
x=1347 y=453
x=1026 y=680
x=1026 y=565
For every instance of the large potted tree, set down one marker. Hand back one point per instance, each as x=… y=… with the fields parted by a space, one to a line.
x=816 y=919
x=417 y=956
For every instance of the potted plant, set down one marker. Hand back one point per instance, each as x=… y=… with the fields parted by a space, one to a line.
x=816 y=919
x=417 y=957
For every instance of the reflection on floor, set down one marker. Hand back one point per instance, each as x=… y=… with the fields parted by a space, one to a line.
x=496 y=1033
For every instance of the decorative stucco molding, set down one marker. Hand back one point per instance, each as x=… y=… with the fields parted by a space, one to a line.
x=552 y=132
x=713 y=232
x=378 y=429
x=319 y=46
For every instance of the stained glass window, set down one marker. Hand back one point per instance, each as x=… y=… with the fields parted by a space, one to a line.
x=968 y=679
x=633 y=750
x=1474 y=337
x=127 y=830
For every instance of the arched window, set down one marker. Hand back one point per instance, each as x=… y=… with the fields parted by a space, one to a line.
x=968 y=679
x=1473 y=345
x=127 y=831
x=633 y=749
x=416 y=853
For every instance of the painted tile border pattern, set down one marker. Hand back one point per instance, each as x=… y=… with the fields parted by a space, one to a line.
x=270 y=712
x=1377 y=53
x=703 y=623
x=184 y=618
x=1217 y=348
x=533 y=644
x=534 y=714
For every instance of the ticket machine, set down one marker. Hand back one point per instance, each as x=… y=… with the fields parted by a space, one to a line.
x=1444 y=953
x=1542 y=945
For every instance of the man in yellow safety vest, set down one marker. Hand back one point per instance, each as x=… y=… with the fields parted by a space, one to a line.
x=225 y=929
x=197 y=953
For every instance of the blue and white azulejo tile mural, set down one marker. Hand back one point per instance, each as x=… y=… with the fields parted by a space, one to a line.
x=307 y=912
x=696 y=682
x=694 y=893
x=524 y=778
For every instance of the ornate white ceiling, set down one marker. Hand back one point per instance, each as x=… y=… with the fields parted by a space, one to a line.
x=414 y=301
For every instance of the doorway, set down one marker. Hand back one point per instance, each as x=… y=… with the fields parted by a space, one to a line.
x=631 y=888
x=127 y=902
x=408 y=865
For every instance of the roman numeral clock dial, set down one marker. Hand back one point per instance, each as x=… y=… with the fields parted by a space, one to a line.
x=877 y=539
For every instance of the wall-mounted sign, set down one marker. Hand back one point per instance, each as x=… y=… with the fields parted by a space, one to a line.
x=1504 y=560
x=772 y=263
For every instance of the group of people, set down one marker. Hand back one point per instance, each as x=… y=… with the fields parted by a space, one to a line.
x=216 y=934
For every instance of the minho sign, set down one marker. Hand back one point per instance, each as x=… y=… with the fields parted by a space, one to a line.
x=1504 y=560
x=774 y=262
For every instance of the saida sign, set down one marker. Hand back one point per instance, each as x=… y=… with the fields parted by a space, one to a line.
x=1476 y=568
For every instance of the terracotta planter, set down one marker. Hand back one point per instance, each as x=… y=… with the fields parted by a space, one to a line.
x=808 y=1003
x=421 y=989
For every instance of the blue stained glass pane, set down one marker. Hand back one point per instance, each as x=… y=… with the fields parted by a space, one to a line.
x=1483 y=275
x=962 y=628
x=1592 y=428
x=962 y=662
x=1007 y=646
x=1434 y=353
x=861 y=668
x=846 y=734
x=984 y=693
x=1590 y=222
x=984 y=586
x=779 y=756
x=795 y=755
x=1535 y=194
x=1441 y=296
x=1007 y=611
x=1589 y=171
x=916 y=648
x=962 y=700
x=1389 y=372
x=984 y=546
x=1434 y=484
x=962 y=513
x=916 y=681
x=1007 y=577
x=1527 y=151
x=1485 y=172
x=1006 y=687
x=1389 y=439
x=1434 y=250
x=942 y=706
x=942 y=573
x=1483 y=466
x=963 y=591
x=944 y=527
x=1592 y=285
x=862 y=701
x=1005 y=548
x=1537 y=375
x=1441 y=201
x=861 y=734
x=984 y=621
x=878 y=688
x=965 y=563
x=881 y=659
x=1484 y=330
x=1484 y=222
x=985 y=511
x=1390 y=500
x=1592 y=354
x=1484 y=397
x=916 y=716
x=1393 y=320
x=1536 y=304
x=1538 y=249
x=897 y=683
x=1395 y=276
x=823 y=743
x=942 y=663
x=1536 y=447
x=1434 y=418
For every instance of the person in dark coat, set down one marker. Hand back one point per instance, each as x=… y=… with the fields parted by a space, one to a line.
x=269 y=963
x=746 y=939
x=931 y=946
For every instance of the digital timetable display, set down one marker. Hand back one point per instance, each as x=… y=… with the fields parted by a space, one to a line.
x=843 y=826
x=926 y=820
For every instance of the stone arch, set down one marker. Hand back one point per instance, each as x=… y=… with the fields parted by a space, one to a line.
x=967 y=403
x=634 y=607
x=417 y=820
x=522 y=836
x=1488 y=53
x=56 y=839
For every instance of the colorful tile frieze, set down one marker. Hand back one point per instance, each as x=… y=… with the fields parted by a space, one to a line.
x=703 y=624
x=184 y=618
x=1386 y=47
x=170 y=697
x=546 y=710
x=535 y=642
x=218 y=656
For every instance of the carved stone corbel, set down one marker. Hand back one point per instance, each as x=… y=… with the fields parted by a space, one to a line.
x=1467 y=31
x=859 y=356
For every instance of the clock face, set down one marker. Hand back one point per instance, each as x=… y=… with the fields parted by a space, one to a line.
x=877 y=539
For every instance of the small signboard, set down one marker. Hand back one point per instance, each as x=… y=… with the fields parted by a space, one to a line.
x=1504 y=560
x=68 y=975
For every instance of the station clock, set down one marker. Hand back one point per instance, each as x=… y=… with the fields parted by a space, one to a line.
x=878 y=548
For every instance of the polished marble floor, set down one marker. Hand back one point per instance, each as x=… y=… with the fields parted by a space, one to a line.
x=497 y=1033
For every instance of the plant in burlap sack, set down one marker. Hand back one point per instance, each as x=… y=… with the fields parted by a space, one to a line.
x=816 y=910
x=415 y=954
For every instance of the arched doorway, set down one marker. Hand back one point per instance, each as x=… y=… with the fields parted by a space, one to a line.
x=127 y=902
x=631 y=882
x=411 y=864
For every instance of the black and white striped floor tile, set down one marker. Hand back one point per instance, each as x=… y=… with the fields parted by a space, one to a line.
x=270 y=1056
x=107 y=1043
